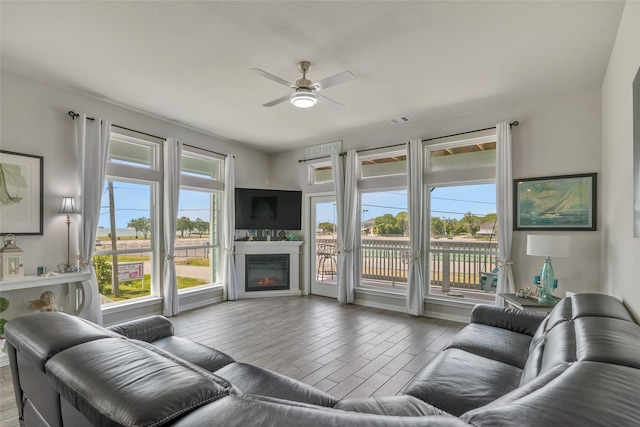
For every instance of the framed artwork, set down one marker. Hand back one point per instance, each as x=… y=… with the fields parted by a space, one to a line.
x=555 y=203
x=21 y=181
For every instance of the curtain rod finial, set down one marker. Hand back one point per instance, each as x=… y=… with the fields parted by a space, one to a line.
x=515 y=124
x=73 y=114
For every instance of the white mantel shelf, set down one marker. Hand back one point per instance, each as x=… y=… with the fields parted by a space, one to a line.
x=243 y=248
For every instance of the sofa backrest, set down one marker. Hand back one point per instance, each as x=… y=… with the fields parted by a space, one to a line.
x=559 y=341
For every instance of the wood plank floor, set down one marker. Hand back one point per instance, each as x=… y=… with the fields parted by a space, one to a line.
x=345 y=350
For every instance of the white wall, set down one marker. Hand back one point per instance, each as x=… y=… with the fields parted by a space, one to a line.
x=621 y=252
x=556 y=136
x=34 y=121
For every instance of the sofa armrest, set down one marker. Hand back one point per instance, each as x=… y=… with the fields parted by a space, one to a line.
x=147 y=329
x=511 y=319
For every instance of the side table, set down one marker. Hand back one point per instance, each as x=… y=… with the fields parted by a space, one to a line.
x=525 y=304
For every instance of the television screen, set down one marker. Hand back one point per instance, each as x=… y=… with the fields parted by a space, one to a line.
x=268 y=209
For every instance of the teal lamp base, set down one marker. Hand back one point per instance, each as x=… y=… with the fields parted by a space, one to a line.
x=547 y=281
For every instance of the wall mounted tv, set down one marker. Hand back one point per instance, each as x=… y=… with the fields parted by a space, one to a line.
x=268 y=209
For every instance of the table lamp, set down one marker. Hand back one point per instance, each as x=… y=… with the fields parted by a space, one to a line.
x=68 y=207
x=547 y=246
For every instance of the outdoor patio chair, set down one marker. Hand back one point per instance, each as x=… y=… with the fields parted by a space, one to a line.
x=326 y=261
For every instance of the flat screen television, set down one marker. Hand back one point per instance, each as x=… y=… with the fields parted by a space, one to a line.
x=268 y=209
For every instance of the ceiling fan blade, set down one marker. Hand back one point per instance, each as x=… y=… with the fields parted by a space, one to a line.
x=331 y=102
x=272 y=77
x=340 y=78
x=276 y=101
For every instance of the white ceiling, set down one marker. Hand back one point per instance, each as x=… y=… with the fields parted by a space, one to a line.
x=188 y=62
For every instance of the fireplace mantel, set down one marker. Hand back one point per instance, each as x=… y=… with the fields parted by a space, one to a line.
x=244 y=248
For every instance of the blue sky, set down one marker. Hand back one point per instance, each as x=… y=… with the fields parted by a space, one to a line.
x=133 y=201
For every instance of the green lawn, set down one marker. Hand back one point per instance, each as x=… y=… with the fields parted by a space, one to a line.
x=133 y=288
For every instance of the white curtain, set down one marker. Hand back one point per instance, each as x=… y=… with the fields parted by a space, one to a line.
x=415 y=282
x=504 y=201
x=230 y=279
x=172 y=167
x=346 y=189
x=93 y=149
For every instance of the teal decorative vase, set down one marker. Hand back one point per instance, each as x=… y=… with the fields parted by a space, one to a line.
x=546 y=281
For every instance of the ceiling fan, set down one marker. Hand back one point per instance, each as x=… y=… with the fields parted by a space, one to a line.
x=305 y=94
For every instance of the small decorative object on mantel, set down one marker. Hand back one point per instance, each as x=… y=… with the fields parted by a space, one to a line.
x=47 y=302
x=11 y=258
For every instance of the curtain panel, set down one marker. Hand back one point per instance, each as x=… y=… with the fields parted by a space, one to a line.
x=92 y=141
x=504 y=202
x=230 y=279
x=172 y=169
x=415 y=184
x=345 y=181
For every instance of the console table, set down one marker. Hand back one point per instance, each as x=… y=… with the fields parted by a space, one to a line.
x=72 y=304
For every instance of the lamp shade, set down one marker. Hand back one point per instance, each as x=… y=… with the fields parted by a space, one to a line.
x=548 y=246
x=68 y=206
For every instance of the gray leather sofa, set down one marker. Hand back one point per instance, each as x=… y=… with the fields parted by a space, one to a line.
x=579 y=366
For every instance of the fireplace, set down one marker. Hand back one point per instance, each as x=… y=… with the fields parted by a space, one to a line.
x=266 y=272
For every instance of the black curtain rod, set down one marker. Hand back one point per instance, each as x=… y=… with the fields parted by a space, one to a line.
x=75 y=115
x=512 y=124
x=208 y=151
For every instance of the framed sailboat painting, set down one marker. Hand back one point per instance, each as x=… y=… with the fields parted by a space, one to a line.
x=21 y=179
x=565 y=202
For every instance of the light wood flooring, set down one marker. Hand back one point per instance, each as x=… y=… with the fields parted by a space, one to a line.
x=345 y=350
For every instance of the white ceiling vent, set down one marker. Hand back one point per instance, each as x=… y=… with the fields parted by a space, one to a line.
x=401 y=119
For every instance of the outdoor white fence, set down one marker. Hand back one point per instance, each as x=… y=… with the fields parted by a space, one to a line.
x=453 y=263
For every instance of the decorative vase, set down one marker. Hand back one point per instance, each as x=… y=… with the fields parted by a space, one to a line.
x=547 y=280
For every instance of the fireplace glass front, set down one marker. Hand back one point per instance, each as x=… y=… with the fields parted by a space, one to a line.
x=266 y=272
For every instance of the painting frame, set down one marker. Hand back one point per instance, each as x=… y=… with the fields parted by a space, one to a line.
x=556 y=203
x=21 y=193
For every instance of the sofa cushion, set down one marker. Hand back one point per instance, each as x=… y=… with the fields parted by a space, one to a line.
x=494 y=343
x=457 y=381
x=615 y=341
x=400 y=406
x=251 y=379
x=196 y=353
x=262 y=411
x=585 y=394
x=121 y=382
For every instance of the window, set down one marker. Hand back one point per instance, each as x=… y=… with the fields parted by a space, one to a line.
x=476 y=150
x=387 y=164
x=460 y=182
x=385 y=240
x=126 y=256
x=384 y=220
x=198 y=224
x=320 y=173
x=128 y=245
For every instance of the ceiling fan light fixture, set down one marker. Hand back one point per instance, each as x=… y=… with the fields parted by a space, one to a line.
x=303 y=99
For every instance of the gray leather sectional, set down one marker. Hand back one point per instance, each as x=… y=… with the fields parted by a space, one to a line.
x=579 y=366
